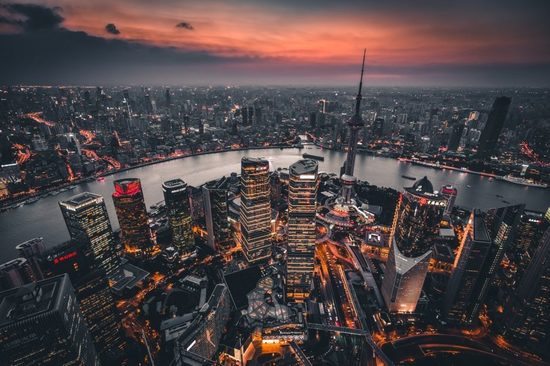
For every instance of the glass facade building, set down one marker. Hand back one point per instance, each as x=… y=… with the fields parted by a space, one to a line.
x=215 y=211
x=176 y=197
x=255 y=211
x=302 y=197
x=87 y=220
x=41 y=324
x=135 y=232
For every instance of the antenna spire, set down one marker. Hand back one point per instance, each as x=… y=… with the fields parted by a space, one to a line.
x=359 y=96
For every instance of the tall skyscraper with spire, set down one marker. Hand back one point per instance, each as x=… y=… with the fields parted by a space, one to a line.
x=355 y=124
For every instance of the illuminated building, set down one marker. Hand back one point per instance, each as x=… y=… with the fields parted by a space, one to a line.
x=199 y=343
x=92 y=291
x=87 y=220
x=420 y=213
x=16 y=273
x=215 y=209
x=450 y=193
x=456 y=135
x=255 y=211
x=466 y=273
x=176 y=198
x=527 y=313
x=41 y=324
x=135 y=232
x=495 y=122
x=403 y=280
x=31 y=250
x=302 y=197
x=530 y=229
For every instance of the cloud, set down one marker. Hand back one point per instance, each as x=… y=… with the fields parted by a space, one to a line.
x=111 y=29
x=31 y=17
x=185 y=25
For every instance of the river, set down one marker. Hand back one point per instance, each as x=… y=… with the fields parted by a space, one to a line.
x=43 y=218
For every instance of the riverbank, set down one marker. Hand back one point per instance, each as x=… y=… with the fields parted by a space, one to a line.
x=9 y=204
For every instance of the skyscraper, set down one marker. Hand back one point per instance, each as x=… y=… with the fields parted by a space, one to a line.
x=176 y=197
x=489 y=136
x=450 y=193
x=87 y=220
x=41 y=324
x=403 y=280
x=302 y=198
x=420 y=213
x=132 y=216
x=215 y=209
x=527 y=312
x=31 y=250
x=92 y=292
x=468 y=263
x=255 y=211
x=16 y=273
x=456 y=135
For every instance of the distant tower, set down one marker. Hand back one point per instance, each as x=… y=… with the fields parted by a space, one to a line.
x=176 y=198
x=450 y=193
x=87 y=220
x=469 y=261
x=31 y=251
x=489 y=137
x=255 y=213
x=302 y=198
x=15 y=273
x=132 y=216
x=41 y=324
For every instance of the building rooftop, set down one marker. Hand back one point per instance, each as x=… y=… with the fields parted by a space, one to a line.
x=31 y=300
x=174 y=183
x=82 y=199
x=480 y=229
x=405 y=264
x=304 y=167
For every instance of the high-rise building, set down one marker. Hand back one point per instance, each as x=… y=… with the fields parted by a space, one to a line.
x=420 y=213
x=255 y=211
x=530 y=229
x=403 y=280
x=16 y=273
x=215 y=209
x=527 y=312
x=87 y=220
x=199 y=343
x=92 y=292
x=135 y=232
x=468 y=263
x=41 y=324
x=31 y=251
x=302 y=198
x=450 y=193
x=176 y=197
x=489 y=136
x=456 y=135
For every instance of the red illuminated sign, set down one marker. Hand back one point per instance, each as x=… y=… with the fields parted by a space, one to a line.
x=64 y=257
x=127 y=189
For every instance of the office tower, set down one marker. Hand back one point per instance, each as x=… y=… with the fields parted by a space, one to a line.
x=501 y=224
x=467 y=266
x=456 y=135
x=215 y=209
x=31 y=250
x=92 y=292
x=255 y=211
x=135 y=232
x=41 y=324
x=168 y=98
x=378 y=127
x=527 y=313
x=403 y=280
x=16 y=273
x=176 y=197
x=420 y=213
x=313 y=119
x=302 y=198
x=450 y=193
x=489 y=136
x=87 y=220
x=199 y=343
x=531 y=226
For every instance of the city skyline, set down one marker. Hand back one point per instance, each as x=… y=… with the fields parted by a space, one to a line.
x=490 y=44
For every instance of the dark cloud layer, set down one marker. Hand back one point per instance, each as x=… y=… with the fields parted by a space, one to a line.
x=111 y=29
x=31 y=17
x=184 y=25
